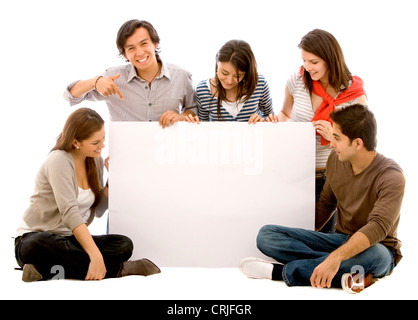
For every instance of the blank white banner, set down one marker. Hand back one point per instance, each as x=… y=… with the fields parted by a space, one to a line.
x=196 y=195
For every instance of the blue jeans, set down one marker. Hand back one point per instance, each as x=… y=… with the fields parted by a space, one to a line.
x=301 y=251
x=49 y=251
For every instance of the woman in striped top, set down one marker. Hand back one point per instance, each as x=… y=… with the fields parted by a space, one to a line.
x=323 y=83
x=237 y=92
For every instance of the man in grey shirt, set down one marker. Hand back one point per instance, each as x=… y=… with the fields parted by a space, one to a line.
x=146 y=89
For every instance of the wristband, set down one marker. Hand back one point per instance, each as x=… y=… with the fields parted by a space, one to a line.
x=97 y=79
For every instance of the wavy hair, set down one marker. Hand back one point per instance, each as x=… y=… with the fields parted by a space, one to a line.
x=324 y=45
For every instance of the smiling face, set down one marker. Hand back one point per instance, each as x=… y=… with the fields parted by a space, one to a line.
x=140 y=50
x=227 y=75
x=92 y=146
x=317 y=68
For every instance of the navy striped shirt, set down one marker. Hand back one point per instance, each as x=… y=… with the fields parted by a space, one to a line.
x=260 y=102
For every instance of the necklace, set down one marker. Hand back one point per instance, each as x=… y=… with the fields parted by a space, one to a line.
x=150 y=81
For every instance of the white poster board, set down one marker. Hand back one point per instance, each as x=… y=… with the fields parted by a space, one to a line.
x=196 y=195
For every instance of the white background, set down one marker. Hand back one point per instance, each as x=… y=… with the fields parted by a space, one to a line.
x=45 y=45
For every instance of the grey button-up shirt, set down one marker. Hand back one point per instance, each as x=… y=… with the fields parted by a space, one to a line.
x=171 y=90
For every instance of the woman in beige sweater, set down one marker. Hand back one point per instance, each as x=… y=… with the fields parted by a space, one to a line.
x=53 y=240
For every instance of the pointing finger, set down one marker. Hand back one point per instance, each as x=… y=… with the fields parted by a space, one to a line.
x=119 y=93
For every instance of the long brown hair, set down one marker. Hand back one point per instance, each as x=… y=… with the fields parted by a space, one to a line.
x=240 y=55
x=81 y=125
x=324 y=45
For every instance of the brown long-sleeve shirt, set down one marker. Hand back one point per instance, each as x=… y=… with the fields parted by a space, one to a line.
x=369 y=202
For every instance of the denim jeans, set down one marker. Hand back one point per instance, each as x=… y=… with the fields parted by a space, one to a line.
x=63 y=257
x=301 y=251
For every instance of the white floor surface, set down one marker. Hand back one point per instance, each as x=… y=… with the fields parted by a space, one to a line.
x=195 y=284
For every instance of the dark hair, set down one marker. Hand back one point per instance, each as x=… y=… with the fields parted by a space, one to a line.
x=81 y=125
x=324 y=45
x=357 y=121
x=240 y=55
x=129 y=28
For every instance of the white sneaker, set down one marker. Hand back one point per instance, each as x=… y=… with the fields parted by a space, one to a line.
x=256 y=268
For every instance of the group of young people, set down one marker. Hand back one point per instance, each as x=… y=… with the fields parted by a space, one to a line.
x=358 y=191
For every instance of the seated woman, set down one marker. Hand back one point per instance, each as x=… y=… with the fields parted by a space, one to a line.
x=237 y=92
x=69 y=193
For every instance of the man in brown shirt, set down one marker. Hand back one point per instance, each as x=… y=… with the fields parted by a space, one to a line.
x=367 y=190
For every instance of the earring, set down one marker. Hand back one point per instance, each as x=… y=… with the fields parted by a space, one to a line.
x=78 y=148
